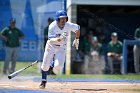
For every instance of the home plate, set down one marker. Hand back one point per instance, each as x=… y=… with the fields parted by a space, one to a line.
x=5 y=85
x=21 y=86
x=8 y=86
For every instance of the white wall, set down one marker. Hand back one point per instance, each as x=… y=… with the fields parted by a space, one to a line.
x=103 y=2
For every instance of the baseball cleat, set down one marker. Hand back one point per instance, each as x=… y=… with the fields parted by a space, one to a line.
x=50 y=71
x=43 y=84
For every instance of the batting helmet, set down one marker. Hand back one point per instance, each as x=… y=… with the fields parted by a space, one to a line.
x=61 y=14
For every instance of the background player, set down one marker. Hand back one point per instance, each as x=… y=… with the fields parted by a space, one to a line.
x=137 y=52
x=50 y=20
x=56 y=44
x=12 y=36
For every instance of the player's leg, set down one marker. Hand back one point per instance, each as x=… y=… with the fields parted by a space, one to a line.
x=50 y=71
x=8 y=53
x=13 y=60
x=110 y=63
x=47 y=59
x=136 y=58
x=59 y=60
x=52 y=63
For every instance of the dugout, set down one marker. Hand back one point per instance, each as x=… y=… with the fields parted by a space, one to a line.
x=103 y=17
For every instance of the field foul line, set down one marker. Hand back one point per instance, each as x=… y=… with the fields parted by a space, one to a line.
x=8 y=86
x=69 y=84
x=101 y=84
x=116 y=84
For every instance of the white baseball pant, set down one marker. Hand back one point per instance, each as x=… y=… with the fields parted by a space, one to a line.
x=50 y=50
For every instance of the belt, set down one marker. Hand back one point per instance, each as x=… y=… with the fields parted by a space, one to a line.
x=56 y=45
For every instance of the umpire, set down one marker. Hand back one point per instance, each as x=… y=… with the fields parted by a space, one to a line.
x=12 y=36
x=137 y=51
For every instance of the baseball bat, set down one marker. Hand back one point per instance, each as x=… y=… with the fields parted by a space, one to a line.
x=20 y=70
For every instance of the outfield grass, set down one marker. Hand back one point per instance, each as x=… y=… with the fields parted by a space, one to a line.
x=102 y=76
x=30 y=71
x=34 y=71
x=134 y=90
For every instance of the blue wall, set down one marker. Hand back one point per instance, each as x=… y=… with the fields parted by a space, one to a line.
x=27 y=20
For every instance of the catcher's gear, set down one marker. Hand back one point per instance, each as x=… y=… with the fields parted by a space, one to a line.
x=61 y=14
x=76 y=43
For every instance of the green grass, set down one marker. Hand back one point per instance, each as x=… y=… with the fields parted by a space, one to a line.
x=102 y=76
x=30 y=71
x=134 y=90
x=34 y=71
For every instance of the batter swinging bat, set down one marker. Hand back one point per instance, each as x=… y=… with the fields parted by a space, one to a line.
x=20 y=70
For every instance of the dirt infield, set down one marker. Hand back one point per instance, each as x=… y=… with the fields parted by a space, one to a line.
x=22 y=85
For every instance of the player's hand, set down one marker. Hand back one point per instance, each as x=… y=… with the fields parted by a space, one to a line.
x=5 y=38
x=64 y=35
x=76 y=43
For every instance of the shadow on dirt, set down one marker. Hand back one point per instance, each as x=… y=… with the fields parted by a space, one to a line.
x=91 y=89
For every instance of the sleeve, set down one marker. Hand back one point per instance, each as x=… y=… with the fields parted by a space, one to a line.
x=3 y=32
x=20 y=33
x=51 y=33
x=74 y=27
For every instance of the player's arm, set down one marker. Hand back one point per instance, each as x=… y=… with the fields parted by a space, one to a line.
x=4 y=37
x=52 y=37
x=21 y=35
x=76 y=41
x=3 y=34
x=77 y=34
x=76 y=28
x=54 y=40
x=59 y=38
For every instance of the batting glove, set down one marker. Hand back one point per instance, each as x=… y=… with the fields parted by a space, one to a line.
x=76 y=43
x=64 y=35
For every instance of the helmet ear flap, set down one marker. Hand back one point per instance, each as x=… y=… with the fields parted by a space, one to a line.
x=67 y=18
x=58 y=19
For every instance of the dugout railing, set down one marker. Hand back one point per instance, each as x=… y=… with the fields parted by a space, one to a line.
x=127 y=43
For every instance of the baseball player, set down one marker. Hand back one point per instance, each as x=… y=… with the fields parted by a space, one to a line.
x=58 y=32
x=136 y=51
x=12 y=36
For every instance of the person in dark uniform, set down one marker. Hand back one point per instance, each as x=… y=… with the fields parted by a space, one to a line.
x=114 y=51
x=12 y=36
x=50 y=20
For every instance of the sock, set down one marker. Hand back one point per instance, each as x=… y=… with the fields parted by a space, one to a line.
x=44 y=75
x=52 y=64
x=51 y=68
